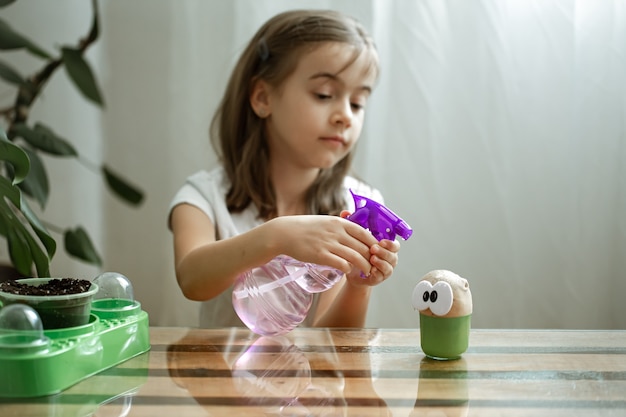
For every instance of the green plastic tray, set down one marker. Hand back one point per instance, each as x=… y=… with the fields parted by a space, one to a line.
x=117 y=331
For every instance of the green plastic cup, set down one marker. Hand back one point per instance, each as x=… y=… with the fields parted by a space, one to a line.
x=115 y=308
x=444 y=338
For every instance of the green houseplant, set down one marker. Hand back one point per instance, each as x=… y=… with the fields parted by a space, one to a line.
x=23 y=177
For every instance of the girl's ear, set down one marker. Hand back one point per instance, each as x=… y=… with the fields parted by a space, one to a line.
x=259 y=99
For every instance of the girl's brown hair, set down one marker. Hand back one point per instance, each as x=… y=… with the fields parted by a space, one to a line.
x=238 y=134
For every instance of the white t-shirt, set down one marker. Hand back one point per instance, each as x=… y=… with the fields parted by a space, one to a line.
x=207 y=191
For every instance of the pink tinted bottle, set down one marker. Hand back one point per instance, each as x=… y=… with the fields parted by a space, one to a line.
x=276 y=297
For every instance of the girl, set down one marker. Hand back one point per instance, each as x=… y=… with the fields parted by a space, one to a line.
x=285 y=132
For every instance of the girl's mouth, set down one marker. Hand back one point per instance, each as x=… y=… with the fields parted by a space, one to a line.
x=335 y=139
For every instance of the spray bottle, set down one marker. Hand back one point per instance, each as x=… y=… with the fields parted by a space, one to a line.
x=274 y=298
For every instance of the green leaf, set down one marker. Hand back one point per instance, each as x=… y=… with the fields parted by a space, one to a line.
x=44 y=139
x=40 y=230
x=4 y=229
x=19 y=250
x=6 y=2
x=23 y=261
x=42 y=262
x=10 y=39
x=80 y=73
x=78 y=244
x=53 y=143
x=23 y=248
x=11 y=192
x=36 y=183
x=17 y=238
x=39 y=257
x=122 y=188
x=16 y=156
x=10 y=75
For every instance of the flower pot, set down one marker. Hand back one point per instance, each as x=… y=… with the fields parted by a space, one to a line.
x=55 y=311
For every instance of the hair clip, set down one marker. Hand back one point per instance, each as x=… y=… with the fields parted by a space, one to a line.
x=263 y=50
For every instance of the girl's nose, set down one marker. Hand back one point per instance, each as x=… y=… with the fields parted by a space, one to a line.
x=342 y=114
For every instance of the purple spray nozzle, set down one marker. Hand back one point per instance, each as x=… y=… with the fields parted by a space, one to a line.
x=378 y=219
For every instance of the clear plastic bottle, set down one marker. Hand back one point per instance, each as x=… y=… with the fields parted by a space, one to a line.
x=274 y=298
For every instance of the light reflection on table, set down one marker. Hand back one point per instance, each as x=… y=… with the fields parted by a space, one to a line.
x=369 y=372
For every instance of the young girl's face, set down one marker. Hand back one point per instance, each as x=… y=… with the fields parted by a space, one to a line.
x=316 y=114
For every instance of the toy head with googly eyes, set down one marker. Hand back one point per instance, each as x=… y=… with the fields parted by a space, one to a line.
x=444 y=301
x=443 y=293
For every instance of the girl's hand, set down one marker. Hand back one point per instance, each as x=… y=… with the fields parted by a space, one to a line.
x=383 y=259
x=327 y=240
x=345 y=305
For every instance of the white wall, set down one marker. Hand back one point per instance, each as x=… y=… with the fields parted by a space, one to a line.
x=497 y=131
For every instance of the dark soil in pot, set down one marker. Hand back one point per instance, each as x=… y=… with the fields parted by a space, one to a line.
x=56 y=286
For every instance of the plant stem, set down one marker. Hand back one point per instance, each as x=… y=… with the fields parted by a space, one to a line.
x=28 y=93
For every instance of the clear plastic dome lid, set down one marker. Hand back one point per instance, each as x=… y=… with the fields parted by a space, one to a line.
x=113 y=285
x=21 y=326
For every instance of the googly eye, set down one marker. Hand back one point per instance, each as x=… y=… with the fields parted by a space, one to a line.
x=421 y=295
x=441 y=298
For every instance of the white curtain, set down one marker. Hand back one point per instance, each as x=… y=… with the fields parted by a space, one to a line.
x=497 y=131
x=500 y=128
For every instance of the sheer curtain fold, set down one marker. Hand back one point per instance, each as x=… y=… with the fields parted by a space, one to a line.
x=509 y=120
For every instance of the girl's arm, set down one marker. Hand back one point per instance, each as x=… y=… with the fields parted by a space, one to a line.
x=205 y=267
x=343 y=306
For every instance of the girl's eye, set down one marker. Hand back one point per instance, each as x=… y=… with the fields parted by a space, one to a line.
x=323 y=96
x=357 y=106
